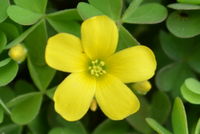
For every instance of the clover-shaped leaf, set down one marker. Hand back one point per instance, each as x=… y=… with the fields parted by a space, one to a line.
x=183 y=6
x=191 y=90
x=3 y=41
x=4 y=5
x=149 y=13
x=33 y=10
x=171 y=77
x=8 y=72
x=184 y=24
x=24 y=108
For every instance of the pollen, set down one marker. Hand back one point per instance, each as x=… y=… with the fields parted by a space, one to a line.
x=97 y=68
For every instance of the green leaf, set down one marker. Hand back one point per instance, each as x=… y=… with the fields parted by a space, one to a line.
x=86 y=10
x=157 y=127
x=8 y=73
x=36 y=47
x=189 y=95
x=39 y=125
x=50 y=92
x=10 y=30
x=193 y=85
x=197 y=129
x=65 y=126
x=65 y=21
x=33 y=5
x=147 y=14
x=23 y=87
x=171 y=77
x=112 y=127
x=160 y=107
x=111 y=8
x=125 y=39
x=21 y=37
x=4 y=62
x=39 y=71
x=1 y=114
x=176 y=48
x=64 y=130
x=132 y=7
x=4 y=5
x=184 y=24
x=3 y=105
x=189 y=1
x=137 y=120
x=3 y=41
x=41 y=75
x=11 y=129
x=193 y=60
x=6 y=94
x=179 y=119
x=25 y=107
x=183 y=6
x=17 y=14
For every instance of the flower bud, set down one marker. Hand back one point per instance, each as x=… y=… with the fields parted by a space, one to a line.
x=141 y=87
x=18 y=53
x=93 y=105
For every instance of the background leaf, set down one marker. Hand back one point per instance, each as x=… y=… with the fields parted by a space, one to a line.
x=34 y=5
x=179 y=119
x=125 y=39
x=65 y=21
x=25 y=107
x=111 y=8
x=147 y=14
x=17 y=14
x=8 y=73
x=184 y=24
x=4 y=5
x=197 y=129
x=1 y=114
x=11 y=129
x=86 y=10
x=171 y=77
x=39 y=71
x=157 y=127
x=131 y=8
x=183 y=6
x=112 y=127
x=3 y=41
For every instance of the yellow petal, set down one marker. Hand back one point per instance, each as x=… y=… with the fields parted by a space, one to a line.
x=74 y=96
x=99 y=37
x=115 y=99
x=64 y=53
x=133 y=64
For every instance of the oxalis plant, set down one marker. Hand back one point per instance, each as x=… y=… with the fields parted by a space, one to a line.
x=99 y=67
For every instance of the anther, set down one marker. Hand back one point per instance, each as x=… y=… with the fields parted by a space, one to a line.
x=97 y=68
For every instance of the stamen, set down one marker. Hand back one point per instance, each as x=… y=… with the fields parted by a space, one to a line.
x=97 y=68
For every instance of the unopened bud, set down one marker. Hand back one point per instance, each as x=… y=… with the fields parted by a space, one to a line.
x=141 y=87
x=93 y=105
x=18 y=53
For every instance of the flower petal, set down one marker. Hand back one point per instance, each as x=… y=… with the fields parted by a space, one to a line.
x=115 y=99
x=133 y=64
x=64 y=53
x=99 y=37
x=74 y=96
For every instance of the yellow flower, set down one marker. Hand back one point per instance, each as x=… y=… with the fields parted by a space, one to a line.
x=96 y=72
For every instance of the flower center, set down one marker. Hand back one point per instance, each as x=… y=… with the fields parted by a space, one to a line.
x=97 y=68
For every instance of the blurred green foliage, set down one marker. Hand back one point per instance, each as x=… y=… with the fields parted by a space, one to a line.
x=170 y=28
